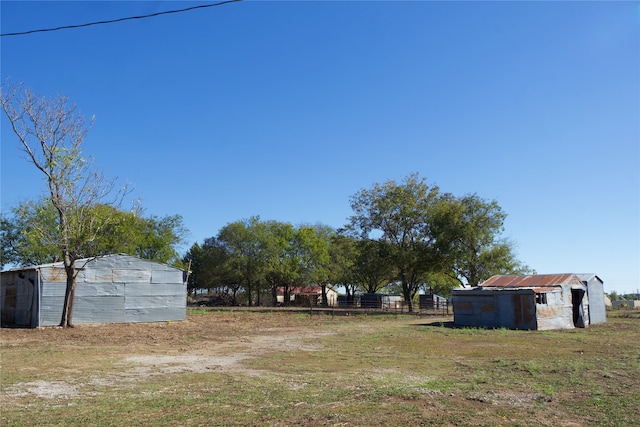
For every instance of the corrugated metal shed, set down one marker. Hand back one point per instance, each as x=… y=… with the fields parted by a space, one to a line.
x=544 y=301
x=110 y=289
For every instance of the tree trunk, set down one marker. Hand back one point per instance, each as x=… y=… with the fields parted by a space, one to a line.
x=67 y=308
x=407 y=297
x=249 y=303
x=406 y=291
x=274 y=295
x=325 y=303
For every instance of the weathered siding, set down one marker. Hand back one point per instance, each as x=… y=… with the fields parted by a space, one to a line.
x=561 y=306
x=19 y=298
x=131 y=276
x=93 y=303
x=110 y=289
x=477 y=311
x=516 y=310
x=556 y=313
x=595 y=292
x=513 y=309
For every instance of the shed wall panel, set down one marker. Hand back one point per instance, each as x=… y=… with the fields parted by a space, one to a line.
x=597 y=307
x=53 y=289
x=158 y=301
x=53 y=274
x=99 y=289
x=95 y=275
x=98 y=309
x=155 y=315
x=476 y=311
x=166 y=276
x=51 y=308
x=553 y=314
x=131 y=276
x=515 y=309
x=168 y=289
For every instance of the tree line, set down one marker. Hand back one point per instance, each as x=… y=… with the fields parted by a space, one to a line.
x=404 y=236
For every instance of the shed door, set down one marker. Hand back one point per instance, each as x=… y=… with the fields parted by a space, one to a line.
x=19 y=297
x=578 y=309
x=523 y=311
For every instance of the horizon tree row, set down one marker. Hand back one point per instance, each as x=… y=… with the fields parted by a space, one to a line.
x=406 y=234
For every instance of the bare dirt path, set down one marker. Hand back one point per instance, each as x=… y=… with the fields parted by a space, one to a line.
x=218 y=341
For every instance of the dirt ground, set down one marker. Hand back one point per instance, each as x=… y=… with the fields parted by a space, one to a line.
x=213 y=341
x=217 y=326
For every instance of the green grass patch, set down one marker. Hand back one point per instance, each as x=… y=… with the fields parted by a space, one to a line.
x=323 y=370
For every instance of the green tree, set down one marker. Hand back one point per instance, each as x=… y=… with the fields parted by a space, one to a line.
x=440 y=283
x=219 y=269
x=468 y=231
x=399 y=216
x=293 y=257
x=159 y=239
x=315 y=248
x=30 y=235
x=282 y=264
x=243 y=241
x=371 y=269
x=193 y=261
x=342 y=254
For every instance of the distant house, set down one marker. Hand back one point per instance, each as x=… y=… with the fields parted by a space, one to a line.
x=544 y=301
x=307 y=295
x=110 y=289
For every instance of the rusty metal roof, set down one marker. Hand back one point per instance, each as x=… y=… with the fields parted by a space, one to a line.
x=534 y=281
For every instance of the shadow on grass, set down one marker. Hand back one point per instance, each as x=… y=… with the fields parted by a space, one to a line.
x=440 y=324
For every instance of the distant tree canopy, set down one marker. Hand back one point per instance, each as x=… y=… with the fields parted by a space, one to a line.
x=398 y=216
x=261 y=256
x=29 y=235
x=468 y=231
x=407 y=235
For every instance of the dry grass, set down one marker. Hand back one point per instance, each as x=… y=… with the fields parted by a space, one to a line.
x=249 y=368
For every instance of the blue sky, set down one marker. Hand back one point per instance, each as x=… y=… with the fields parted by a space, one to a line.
x=286 y=109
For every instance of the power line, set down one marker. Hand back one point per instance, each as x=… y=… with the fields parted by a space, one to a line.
x=66 y=27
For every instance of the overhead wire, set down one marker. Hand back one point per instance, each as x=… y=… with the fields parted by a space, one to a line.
x=111 y=21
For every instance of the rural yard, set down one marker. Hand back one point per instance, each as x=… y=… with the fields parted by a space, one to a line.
x=291 y=368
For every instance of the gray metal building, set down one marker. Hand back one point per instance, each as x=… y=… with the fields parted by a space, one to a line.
x=595 y=290
x=110 y=289
x=542 y=302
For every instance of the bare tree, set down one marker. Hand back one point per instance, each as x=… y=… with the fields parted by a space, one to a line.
x=51 y=132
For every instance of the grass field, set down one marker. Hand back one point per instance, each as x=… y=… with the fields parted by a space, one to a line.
x=249 y=368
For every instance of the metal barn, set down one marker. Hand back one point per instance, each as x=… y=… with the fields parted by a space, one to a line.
x=110 y=289
x=542 y=302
